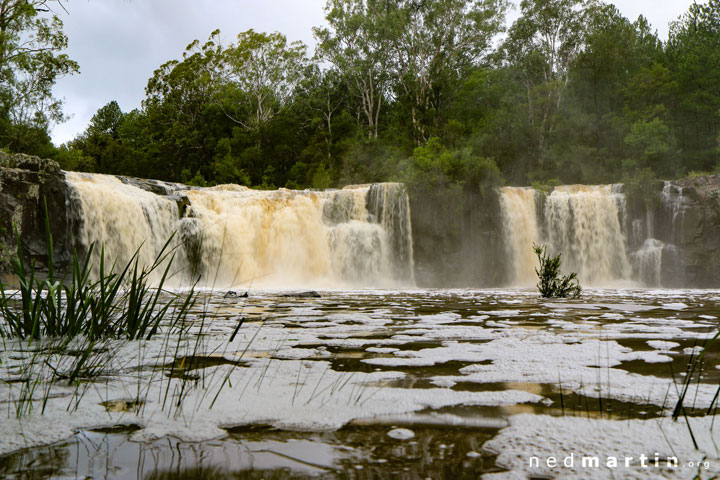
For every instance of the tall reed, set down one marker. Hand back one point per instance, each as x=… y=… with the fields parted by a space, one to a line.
x=120 y=303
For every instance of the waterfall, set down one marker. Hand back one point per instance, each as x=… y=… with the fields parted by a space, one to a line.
x=121 y=220
x=673 y=203
x=389 y=205
x=582 y=223
x=518 y=208
x=648 y=262
x=232 y=235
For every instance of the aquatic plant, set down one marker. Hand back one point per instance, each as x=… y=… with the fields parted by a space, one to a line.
x=119 y=304
x=552 y=284
x=694 y=373
x=66 y=327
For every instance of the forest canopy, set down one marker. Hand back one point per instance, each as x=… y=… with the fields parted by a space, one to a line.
x=442 y=95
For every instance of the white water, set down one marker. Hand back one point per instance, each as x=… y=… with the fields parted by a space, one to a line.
x=648 y=262
x=518 y=207
x=582 y=223
x=232 y=235
x=120 y=220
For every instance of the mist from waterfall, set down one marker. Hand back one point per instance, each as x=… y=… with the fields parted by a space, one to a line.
x=361 y=236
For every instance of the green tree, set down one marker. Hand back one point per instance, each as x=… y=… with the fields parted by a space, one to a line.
x=434 y=47
x=652 y=146
x=593 y=122
x=261 y=71
x=357 y=45
x=542 y=45
x=100 y=146
x=181 y=118
x=31 y=42
x=693 y=52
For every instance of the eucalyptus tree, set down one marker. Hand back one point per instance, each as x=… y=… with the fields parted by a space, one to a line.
x=31 y=61
x=261 y=72
x=435 y=45
x=358 y=46
x=324 y=94
x=542 y=45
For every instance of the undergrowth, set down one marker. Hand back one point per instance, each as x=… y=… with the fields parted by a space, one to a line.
x=66 y=328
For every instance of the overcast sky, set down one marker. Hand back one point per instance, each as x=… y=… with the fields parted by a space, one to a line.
x=120 y=43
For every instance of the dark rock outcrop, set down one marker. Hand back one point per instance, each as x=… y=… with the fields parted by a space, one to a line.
x=687 y=220
x=457 y=240
x=26 y=182
x=308 y=294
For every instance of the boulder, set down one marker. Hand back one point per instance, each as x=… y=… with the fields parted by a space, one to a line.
x=26 y=183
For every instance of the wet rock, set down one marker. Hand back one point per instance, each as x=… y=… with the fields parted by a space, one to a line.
x=25 y=183
x=308 y=294
x=183 y=204
x=234 y=294
x=30 y=163
x=158 y=187
x=446 y=233
x=687 y=221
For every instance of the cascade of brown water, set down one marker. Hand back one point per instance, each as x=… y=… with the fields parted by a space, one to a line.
x=518 y=207
x=582 y=223
x=232 y=235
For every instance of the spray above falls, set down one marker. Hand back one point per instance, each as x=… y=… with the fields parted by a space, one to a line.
x=359 y=236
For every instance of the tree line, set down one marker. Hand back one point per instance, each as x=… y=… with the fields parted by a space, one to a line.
x=439 y=94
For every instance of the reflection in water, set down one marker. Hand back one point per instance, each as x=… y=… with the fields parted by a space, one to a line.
x=113 y=455
x=357 y=452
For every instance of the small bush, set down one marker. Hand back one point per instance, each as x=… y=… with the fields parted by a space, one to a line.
x=551 y=284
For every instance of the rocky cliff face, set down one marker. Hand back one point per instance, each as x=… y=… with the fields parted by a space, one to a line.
x=25 y=182
x=457 y=241
x=669 y=235
x=683 y=223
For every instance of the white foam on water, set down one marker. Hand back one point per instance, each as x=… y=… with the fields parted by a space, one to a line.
x=286 y=376
x=662 y=345
x=675 y=306
x=569 y=439
x=401 y=434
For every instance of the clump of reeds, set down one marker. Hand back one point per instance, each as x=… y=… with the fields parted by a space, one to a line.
x=120 y=303
x=71 y=321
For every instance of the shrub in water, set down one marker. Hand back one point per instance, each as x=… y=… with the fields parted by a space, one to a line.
x=551 y=284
